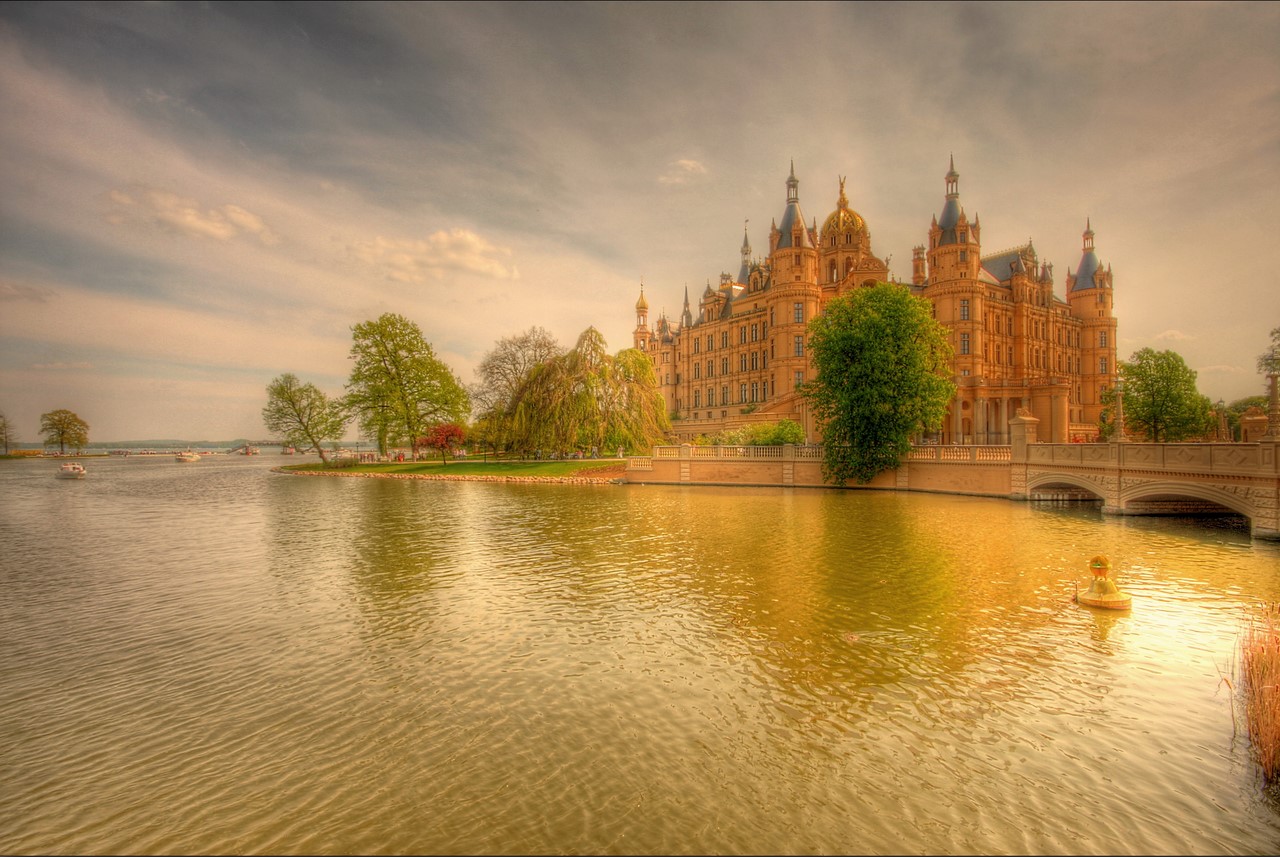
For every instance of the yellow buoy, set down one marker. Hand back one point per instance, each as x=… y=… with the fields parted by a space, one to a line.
x=1102 y=591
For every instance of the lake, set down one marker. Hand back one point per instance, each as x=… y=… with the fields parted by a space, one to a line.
x=212 y=658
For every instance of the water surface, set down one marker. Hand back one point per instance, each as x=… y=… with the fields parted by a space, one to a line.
x=215 y=658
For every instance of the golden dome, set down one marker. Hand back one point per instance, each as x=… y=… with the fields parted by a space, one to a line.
x=642 y=303
x=844 y=218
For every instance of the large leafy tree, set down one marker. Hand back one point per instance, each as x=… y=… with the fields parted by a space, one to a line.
x=882 y=375
x=588 y=399
x=1269 y=360
x=302 y=415
x=63 y=429
x=501 y=373
x=1161 y=402
x=398 y=386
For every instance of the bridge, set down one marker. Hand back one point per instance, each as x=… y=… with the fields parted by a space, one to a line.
x=1128 y=478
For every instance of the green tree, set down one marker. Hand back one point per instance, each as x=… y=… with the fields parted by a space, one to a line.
x=301 y=415
x=398 y=386
x=882 y=374
x=1269 y=360
x=757 y=434
x=1161 y=402
x=587 y=399
x=501 y=373
x=62 y=428
x=8 y=435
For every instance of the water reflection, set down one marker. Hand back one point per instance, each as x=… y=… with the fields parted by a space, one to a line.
x=350 y=665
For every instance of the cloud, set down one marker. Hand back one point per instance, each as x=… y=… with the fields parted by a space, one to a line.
x=682 y=172
x=1173 y=336
x=185 y=216
x=410 y=261
x=10 y=291
x=79 y=364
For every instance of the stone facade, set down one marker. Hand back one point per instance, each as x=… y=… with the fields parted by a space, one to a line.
x=739 y=355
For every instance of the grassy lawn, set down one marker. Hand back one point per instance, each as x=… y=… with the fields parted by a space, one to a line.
x=477 y=468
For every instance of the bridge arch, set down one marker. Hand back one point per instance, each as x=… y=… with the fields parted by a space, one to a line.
x=1044 y=483
x=1155 y=494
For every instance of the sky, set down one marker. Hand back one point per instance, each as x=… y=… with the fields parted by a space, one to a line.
x=196 y=198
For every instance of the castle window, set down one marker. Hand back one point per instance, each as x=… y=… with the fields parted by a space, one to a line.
x=1102 y=339
x=711 y=368
x=797 y=312
x=697 y=398
x=755 y=360
x=799 y=346
x=755 y=332
x=742 y=393
x=711 y=342
x=724 y=365
x=964 y=239
x=742 y=335
x=1102 y=365
x=724 y=395
x=799 y=379
x=964 y=255
x=964 y=343
x=696 y=344
x=742 y=362
x=697 y=372
x=724 y=339
x=755 y=391
x=964 y=309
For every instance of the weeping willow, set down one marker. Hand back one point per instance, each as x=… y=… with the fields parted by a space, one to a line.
x=588 y=400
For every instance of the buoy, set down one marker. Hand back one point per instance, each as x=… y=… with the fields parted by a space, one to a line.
x=1102 y=591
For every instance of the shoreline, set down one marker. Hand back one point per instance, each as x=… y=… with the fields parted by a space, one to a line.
x=462 y=477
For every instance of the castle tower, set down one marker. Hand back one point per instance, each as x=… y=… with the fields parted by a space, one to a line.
x=744 y=272
x=844 y=251
x=795 y=297
x=1090 y=294
x=954 y=246
x=640 y=336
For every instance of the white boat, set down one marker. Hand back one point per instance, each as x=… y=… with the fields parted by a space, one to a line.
x=187 y=456
x=71 y=470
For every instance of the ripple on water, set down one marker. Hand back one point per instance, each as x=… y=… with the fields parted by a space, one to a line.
x=250 y=662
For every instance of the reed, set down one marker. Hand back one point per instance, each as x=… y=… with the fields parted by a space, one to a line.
x=1259 y=681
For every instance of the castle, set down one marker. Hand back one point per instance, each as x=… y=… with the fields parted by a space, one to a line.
x=739 y=356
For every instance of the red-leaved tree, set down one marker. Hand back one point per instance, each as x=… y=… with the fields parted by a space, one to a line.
x=445 y=437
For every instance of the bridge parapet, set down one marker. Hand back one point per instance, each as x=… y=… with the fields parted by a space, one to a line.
x=1129 y=478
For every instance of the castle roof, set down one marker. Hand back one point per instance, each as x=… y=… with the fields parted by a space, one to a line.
x=793 y=217
x=844 y=218
x=1089 y=263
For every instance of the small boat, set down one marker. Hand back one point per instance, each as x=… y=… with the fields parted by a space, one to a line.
x=187 y=456
x=71 y=470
